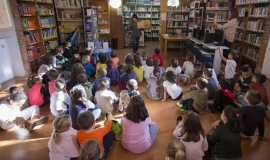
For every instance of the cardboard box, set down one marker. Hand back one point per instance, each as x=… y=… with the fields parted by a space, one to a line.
x=141 y=25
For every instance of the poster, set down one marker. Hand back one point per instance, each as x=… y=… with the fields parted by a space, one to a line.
x=119 y=12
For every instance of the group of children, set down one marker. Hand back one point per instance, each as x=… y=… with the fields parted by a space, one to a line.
x=65 y=81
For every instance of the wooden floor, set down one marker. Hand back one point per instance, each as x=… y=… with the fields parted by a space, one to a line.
x=20 y=144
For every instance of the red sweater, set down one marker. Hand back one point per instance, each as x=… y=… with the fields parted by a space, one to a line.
x=260 y=88
x=158 y=56
x=35 y=96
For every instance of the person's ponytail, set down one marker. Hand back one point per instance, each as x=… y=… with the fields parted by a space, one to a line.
x=56 y=137
x=180 y=155
x=233 y=118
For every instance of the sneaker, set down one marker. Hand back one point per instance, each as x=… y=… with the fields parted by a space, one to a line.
x=40 y=120
x=30 y=126
x=238 y=105
x=179 y=119
x=179 y=104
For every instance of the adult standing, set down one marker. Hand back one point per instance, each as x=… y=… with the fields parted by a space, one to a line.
x=229 y=29
x=136 y=33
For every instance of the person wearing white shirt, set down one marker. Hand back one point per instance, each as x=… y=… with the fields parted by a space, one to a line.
x=177 y=70
x=230 y=63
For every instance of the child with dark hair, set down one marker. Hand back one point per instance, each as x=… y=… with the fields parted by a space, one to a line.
x=230 y=63
x=47 y=63
x=177 y=70
x=195 y=100
x=12 y=116
x=88 y=52
x=129 y=59
x=154 y=89
x=68 y=50
x=80 y=104
x=104 y=97
x=243 y=79
x=63 y=61
x=211 y=85
x=125 y=95
x=127 y=76
x=115 y=59
x=176 y=150
x=144 y=58
x=87 y=132
x=102 y=73
x=158 y=56
x=170 y=86
x=70 y=64
x=253 y=115
x=52 y=74
x=89 y=68
x=148 y=68
x=77 y=69
x=91 y=150
x=112 y=73
x=60 y=100
x=88 y=87
x=139 y=132
x=101 y=63
x=227 y=137
x=188 y=66
x=257 y=84
x=223 y=97
x=37 y=93
x=190 y=132
x=209 y=65
x=138 y=68
x=56 y=62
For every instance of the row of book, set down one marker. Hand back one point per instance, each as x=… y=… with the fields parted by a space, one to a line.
x=31 y=37
x=147 y=9
x=62 y=15
x=256 y=25
x=254 y=39
x=155 y=27
x=28 y=24
x=211 y=28
x=212 y=4
x=174 y=44
x=68 y=3
x=251 y=53
x=236 y=47
x=70 y=28
x=47 y=21
x=195 y=13
x=243 y=12
x=104 y=30
x=33 y=52
x=49 y=33
x=177 y=24
x=178 y=31
x=258 y=11
x=47 y=1
x=177 y=17
x=155 y=21
x=43 y=10
x=195 y=4
x=125 y=8
x=49 y=45
x=26 y=9
x=242 y=1
x=91 y=11
x=242 y=24
x=258 y=1
x=239 y=35
x=141 y=15
x=178 y=8
x=219 y=16
x=145 y=2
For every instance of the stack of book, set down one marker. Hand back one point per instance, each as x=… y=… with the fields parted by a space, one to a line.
x=240 y=2
x=239 y=35
x=155 y=34
x=242 y=24
x=254 y=39
x=178 y=9
x=104 y=30
x=49 y=33
x=171 y=16
x=218 y=5
x=68 y=3
x=91 y=11
x=256 y=25
x=26 y=9
x=47 y=21
x=155 y=27
x=141 y=15
x=251 y=53
x=31 y=37
x=28 y=25
x=243 y=12
x=144 y=9
x=49 y=45
x=258 y=11
x=33 y=52
x=171 y=24
x=236 y=47
x=62 y=15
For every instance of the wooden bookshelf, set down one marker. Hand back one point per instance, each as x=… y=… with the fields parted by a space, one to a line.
x=39 y=27
x=69 y=18
x=252 y=18
x=196 y=14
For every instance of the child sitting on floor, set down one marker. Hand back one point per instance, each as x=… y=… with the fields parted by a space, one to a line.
x=62 y=60
x=127 y=76
x=138 y=68
x=211 y=85
x=60 y=100
x=73 y=61
x=176 y=150
x=177 y=69
x=105 y=98
x=195 y=100
x=154 y=88
x=88 y=52
x=63 y=143
x=56 y=62
x=112 y=73
x=148 y=68
x=158 y=56
x=188 y=67
x=52 y=74
x=230 y=63
x=101 y=63
x=47 y=63
x=80 y=104
x=68 y=50
x=243 y=79
x=102 y=73
x=209 y=65
x=139 y=132
x=143 y=59
x=77 y=69
x=223 y=97
x=88 y=87
x=174 y=91
x=37 y=93
x=115 y=59
x=125 y=95
x=87 y=131
x=89 y=68
x=91 y=150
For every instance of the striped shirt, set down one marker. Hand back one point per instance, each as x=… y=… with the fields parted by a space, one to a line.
x=229 y=29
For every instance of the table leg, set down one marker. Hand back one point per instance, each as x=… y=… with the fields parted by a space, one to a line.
x=217 y=61
x=165 y=48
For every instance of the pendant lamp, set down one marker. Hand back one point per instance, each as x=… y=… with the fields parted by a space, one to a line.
x=115 y=3
x=173 y=3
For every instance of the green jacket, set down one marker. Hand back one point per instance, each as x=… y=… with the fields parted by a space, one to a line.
x=68 y=53
x=88 y=90
x=62 y=59
x=116 y=127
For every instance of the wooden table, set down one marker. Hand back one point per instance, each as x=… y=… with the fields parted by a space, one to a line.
x=171 y=38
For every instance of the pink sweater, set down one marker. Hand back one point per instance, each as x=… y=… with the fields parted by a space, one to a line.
x=52 y=89
x=35 y=96
x=136 y=136
x=68 y=146
x=194 y=150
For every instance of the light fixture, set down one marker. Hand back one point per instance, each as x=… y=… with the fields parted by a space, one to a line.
x=115 y=3
x=173 y=3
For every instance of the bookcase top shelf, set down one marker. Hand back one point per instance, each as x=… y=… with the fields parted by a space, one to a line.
x=70 y=8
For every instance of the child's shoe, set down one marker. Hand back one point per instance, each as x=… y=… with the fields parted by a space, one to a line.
x=39 y=119
x=179 y=104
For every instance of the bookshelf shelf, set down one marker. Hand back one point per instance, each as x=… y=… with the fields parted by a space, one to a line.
x=68 y=8
x=74 y=20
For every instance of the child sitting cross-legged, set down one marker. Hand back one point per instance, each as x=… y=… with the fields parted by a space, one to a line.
x=154 y=88
x=138 y=68
x=83 y=80
x=112 y=73
x=101 y=63
x=195 y=100
x=87 y=131
x=158 y=56
x=77 y=69
x=148 y=68
x=63 y=61
x=88 y=52
x=211 y=85
x=60 y=100
x=177 y=69
x=63 y=143
x=105 y=98
x=143 y=58
x=102 y=73
x=129 y=74
x=89 y=68
x=47 y=63
x=115 y=60
x=242 y=79
x=223 y=97
x=68 y=49
x=52 y=74
x=56 y=62
x=80 y=104
x=125 y=95
x=188 y=66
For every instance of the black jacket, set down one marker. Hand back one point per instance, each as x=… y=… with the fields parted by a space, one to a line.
x=221 y=101
x=243 y=83
x=225 y=143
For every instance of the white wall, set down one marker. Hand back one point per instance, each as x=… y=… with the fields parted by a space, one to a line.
x=6 y=69
x=266 y=62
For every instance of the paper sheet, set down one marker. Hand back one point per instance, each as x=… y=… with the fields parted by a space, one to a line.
x=119 y=11
x=91 y=45
x=163 y=16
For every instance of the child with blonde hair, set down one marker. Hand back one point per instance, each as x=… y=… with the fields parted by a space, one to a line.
x=91 y=150
x=188 y=66
x=88 y=52
x=89 y=68
x=176 y=150
x=102 y=73
x=88 y=86
x=37 y=93
x=63 y=142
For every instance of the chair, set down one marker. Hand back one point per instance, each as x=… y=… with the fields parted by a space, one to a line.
x=199 y=57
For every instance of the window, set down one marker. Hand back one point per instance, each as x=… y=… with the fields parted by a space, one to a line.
x=5 y=16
